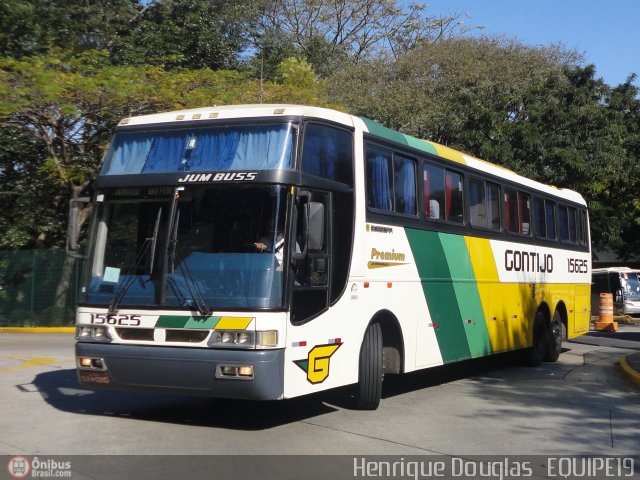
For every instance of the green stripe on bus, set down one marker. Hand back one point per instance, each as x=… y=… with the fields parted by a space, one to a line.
x=435 y=276
x=376 y=129
x=468 y=296
x=176 y=321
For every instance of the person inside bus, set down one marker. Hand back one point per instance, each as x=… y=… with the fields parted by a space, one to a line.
x=273 y=240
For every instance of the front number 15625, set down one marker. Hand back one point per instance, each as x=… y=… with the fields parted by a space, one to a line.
x=115 y=319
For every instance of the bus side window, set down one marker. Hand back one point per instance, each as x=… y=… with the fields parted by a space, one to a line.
x=582 y=228
x=517 y=212
x=404 y=171
x=524 y=206
x=433 y=192
x=550 y=214
x=454 y=197
x=328 y=152
x=477 y=212
x=539 y=217
x=379 y=179
x=443 y=194
x=484 y=198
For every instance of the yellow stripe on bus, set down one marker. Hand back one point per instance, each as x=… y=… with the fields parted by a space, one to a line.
x=503 y=303
x=233 y=323
x=449 y=153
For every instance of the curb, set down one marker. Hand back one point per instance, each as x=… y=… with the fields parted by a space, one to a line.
x=629 y=372
x=37 y=329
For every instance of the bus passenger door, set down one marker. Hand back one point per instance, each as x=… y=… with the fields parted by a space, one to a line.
x=311 y=265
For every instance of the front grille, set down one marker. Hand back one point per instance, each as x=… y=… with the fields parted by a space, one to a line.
x=187 y=336
x=144 y=334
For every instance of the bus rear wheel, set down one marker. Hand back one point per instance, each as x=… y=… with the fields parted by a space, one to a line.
x=538 y=351
x=369 y=389
x=556 y=334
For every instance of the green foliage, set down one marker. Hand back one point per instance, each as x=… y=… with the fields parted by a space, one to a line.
x=61 y=108
x=534 y=110
x=187 y=33
x=28 y=216
x=71 y=69
x=31 y=27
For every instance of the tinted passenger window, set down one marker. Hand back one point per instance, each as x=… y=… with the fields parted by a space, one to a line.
x=391 y=181
x=404 y=189
x=567 y=224
x=484 y=198
x=545 y=218
x=328 y=152
x=517 y=212
x=379 y=179
x=443 y=194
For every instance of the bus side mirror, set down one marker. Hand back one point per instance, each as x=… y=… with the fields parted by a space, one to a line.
x=315 y=223
x=73 y=230
x=310 y=225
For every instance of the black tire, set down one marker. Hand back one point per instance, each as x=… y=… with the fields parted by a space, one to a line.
x=556 y=335
x=370 y=369
x=538 y=351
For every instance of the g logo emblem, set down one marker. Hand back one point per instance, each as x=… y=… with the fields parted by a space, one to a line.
x=317 y=362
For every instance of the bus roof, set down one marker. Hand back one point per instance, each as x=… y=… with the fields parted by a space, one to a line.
x=615 y=270
x=367 y=125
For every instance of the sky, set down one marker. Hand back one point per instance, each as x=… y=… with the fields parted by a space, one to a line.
x=605 y=32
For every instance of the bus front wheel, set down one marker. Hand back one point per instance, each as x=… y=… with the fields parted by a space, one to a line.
x=370 y=369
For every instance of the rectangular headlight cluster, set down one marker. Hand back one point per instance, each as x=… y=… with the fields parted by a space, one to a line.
x=240 y=372
x=93 y=333
x=243 y=339
x=90 y=363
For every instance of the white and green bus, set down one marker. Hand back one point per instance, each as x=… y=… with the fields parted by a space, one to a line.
x=271 y=251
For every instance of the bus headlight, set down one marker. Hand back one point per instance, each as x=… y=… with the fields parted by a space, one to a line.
x=244 y=339
x=232 y=339
x=93 y=333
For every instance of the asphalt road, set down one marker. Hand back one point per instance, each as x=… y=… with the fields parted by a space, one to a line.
x=580 y=405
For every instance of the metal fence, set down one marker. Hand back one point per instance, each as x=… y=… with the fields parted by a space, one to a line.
x=37 y=288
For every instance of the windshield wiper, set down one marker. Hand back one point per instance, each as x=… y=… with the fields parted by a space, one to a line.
x=126 y=284
x=192 y=287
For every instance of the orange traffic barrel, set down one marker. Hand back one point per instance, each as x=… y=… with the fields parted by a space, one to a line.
x=605 y=320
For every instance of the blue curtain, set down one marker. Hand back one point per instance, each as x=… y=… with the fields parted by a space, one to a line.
x=215 y=150
x=221 y=148
x=263 y=148
x=166 y=153
x=408 y=187
x=127 y=154
x=311 y=158
x=380 y=185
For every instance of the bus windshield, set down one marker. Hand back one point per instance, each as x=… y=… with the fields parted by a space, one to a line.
x=220 y=148
x=630 y=286
x=198 y=248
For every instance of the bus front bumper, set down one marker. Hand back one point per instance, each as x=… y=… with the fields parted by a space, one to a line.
x=188 y=371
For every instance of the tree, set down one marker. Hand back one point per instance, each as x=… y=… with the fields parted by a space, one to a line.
x=27 y=219
x=32 y=27
x=187 y=33
x=533 y=110
x=328 y=33
x=67 y=104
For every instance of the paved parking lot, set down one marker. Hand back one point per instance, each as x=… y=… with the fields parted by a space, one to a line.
x=580 y=405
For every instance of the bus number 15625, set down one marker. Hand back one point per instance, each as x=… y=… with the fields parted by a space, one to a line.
x=115 y=319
